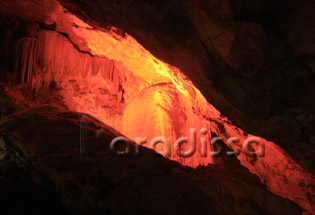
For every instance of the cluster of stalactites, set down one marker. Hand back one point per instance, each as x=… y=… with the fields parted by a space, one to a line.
x=26 y=55
x=62 y=61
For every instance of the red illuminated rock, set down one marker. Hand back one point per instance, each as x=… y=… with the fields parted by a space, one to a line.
x=91 y=66
x=47 y=140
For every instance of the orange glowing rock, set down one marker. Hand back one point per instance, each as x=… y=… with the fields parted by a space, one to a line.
x=141 y=96
x=156 y=112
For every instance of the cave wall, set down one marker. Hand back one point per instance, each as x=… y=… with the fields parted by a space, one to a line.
x=253 y=60
x=235 y=64
x=54 y=178
x=57 y=72
x=47 y=63
x=75 y=80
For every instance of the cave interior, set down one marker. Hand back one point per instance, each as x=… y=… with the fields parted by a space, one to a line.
x=157 y=107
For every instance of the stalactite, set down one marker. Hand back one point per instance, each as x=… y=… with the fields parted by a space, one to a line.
x=26 y=55
x=59 y=57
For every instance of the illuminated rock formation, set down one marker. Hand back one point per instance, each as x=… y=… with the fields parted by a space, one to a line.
x=105 y=72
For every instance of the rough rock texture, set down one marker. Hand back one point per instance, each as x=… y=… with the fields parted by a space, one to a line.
x=23 y=188
x=7 y=104
x=283 y=176
x=45 y=142
x=253 y=60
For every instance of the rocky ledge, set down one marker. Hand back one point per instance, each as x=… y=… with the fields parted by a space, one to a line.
x=42 y=171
